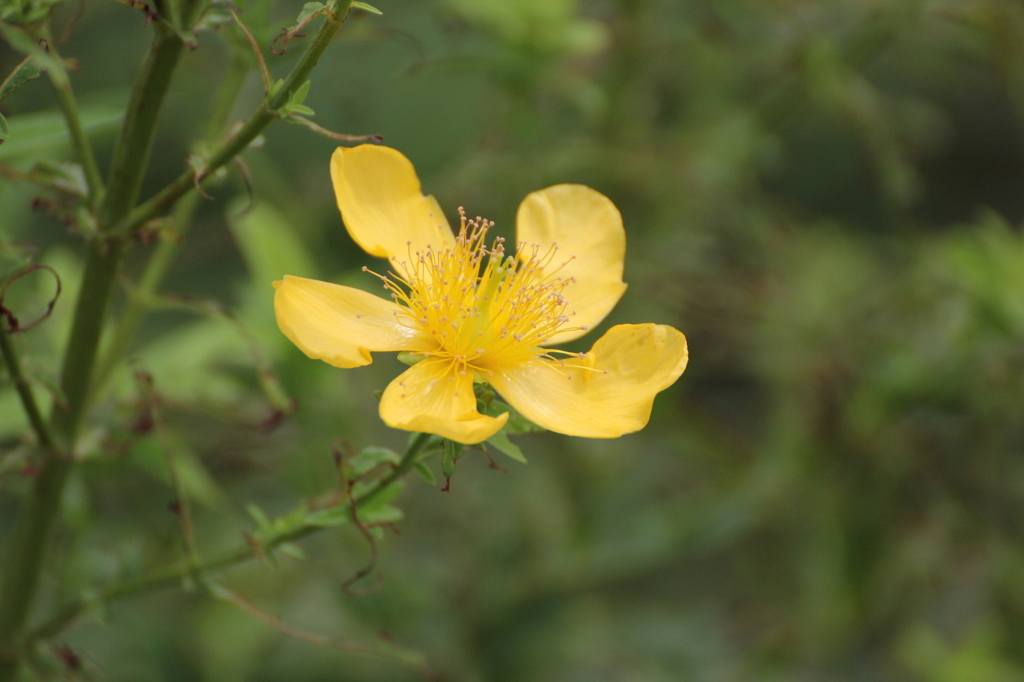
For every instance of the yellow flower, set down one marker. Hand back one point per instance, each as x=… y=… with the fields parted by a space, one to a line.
x=473 y=312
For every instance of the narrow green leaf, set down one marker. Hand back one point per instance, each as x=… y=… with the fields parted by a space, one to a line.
x=257 y=514
x=292 y=550
x=368 y=458
x=363 y=6
x=44 y=134
x=20 y=40
x=300 y=109
x=23 y=72
x=330 y=517
x=61 y=175
x=500 y=440
x=425 y=472
x=218 y=592
x=387 y=495
x=5 y=132
x=308 y=10
x=383 y=514
x=299 y=94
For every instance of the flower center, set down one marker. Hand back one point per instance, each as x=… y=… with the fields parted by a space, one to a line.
x=484 y=309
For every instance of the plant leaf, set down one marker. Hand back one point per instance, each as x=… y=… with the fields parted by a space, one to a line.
x=425 y=472
x=308 y=10
x=23 y=72
x=368 y=458
x=364 y=6
x=500 y=440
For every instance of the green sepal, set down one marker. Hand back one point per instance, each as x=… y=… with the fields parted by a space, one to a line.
x=409 y=358
x=452 y=452
x=516 y=423
x=483 y=391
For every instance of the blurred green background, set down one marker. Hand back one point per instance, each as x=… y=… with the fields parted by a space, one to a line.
x=824 y=196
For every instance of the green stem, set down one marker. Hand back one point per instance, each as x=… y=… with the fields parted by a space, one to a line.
x=25 y=556
x=115 y=217
x=24 y=559
x=101 y=264
x=257 y=123
x=131 y=153
x=173 y=575
x=166 y=249
x=28 y=401
x=86 y=156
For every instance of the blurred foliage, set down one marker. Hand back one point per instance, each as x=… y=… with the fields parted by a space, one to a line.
x=824 y=196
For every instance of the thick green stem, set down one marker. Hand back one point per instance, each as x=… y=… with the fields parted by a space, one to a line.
x=263 y=117
x=173 y=575
x=21 y=384
x=25 y=556
x=26 y=553
x=131 y=153
x=101 y=264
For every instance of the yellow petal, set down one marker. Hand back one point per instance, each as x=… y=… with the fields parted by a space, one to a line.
x=341 y=325
x=381 y=202
x=431 y=396
x=587 y=228
x=607 y=393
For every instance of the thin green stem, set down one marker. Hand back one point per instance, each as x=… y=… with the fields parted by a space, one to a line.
x=257 y=123
x=404 y=464
x=173 y=575
x=21 y=384
x=83 y=148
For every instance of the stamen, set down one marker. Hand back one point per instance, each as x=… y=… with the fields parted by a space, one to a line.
x=484 y=309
